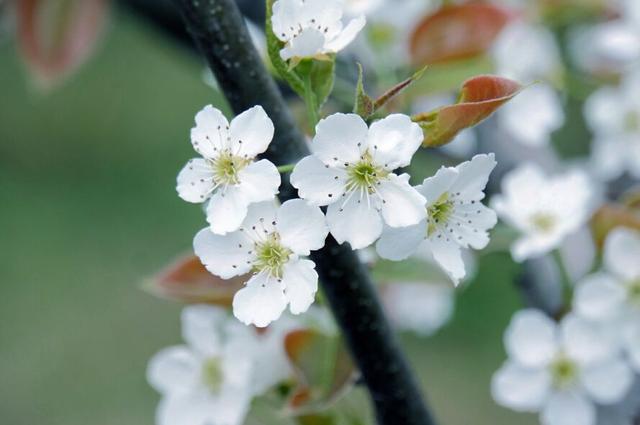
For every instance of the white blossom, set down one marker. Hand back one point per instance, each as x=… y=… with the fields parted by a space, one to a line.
x=613 y=114
x=560 y=370
x=269 y=244
x=612 y=296
x=312 y=28
x=454 y=218
x=544 y=209
x=227 y=174
x=213 y=377
x=351 y=171
x=532 y=116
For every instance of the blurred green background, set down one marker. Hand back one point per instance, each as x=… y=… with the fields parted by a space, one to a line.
x=88 y=209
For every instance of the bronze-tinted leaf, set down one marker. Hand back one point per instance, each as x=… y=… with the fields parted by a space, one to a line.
x=55 y=37
x=479 y=98
x=610 y=216
x=457 y=32
x=187 y=280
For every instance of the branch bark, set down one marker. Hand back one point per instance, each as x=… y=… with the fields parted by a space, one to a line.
x=219 y=32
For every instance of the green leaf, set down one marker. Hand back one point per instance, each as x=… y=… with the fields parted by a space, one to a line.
x=322 y=77
x=363 y=105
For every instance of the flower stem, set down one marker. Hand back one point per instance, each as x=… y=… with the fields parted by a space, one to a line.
x=395 y=394
x=311 y=102
x=285 y=168
x=565 y=278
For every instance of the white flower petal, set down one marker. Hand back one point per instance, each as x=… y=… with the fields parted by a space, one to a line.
x=402 y=205
x=521 y=389
x=599 y=297
x=473 y=177
x=531 y=338
x=586 y=341
x=302 y=227
x=251 y=132
x=188 y=409
x=261 y=218
x=433 y=187
x=566 y=408
x=393 y=140
x=307 y=44
x=446 y=252
x=285 y=19
x=260 y=302
x=354 y=221
x=533 y=246
x=631 y=340
x=259 y=181
x=201 y=328
x=174 y=370
x=608 y=382
x=347 y=35
x=226 y=210
x=210 y=134
x=318 y=183
x=225 y=256
x=339 y=139
x=195 y=181
x=398 y=243
x=622 y=253
x=301 y=284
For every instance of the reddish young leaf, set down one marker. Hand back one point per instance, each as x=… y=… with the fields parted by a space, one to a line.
x=55 y=37
x=187 y=280
x=610 y=216
x=479 y=98
x=457 y=32
x=323 y=369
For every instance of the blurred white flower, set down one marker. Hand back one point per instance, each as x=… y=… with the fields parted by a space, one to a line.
x=420 y=307
x=526 y=52
x=228 y=173
x=312 y=28
x=613 y=114
x=212 y=379
x=531 y=116
x=269 y=243
x=361 y=7
x=560 y=370
x=544 y=209
x=351 y=171
x=612 y=296
x=454 y=217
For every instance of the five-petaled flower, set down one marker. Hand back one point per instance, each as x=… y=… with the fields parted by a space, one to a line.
x=227 y=174
x=612 y=296
x=545 y=209
x=312 y=28
x=351 y=171
x=453 y=218
x=268 y=243
x=560 y=370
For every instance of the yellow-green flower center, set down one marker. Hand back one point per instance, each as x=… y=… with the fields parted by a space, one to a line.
x=271 y=256
x=439 y=212
x=564 y=372
x=212 y=375
x=364 y=174
x=543 y=222
x=226 y=168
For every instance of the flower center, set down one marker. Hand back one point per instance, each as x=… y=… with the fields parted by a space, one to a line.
x=271 y=256
x=633 y=291
x=226 y=168
x=364 y=174
x=212 y=375
x=543 y=222
x=564 y=372
x=439 y=212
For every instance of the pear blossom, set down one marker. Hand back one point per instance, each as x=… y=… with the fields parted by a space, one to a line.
x=228 y=175
x=269 y=244
x=560 y=370
x=453 y=218
x=207 y=381
x=361 y=7
x=531 y=117
x=351 y=171
x=613 y=114
x=544 y=209
x=312 y=28
x=612 y=296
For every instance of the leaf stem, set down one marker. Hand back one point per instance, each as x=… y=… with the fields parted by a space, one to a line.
x=311 y=102
x=565 y=277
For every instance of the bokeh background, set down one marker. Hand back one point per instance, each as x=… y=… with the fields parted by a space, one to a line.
x=88 y=210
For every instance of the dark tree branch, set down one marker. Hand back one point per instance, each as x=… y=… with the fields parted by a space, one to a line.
x=219 y=32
